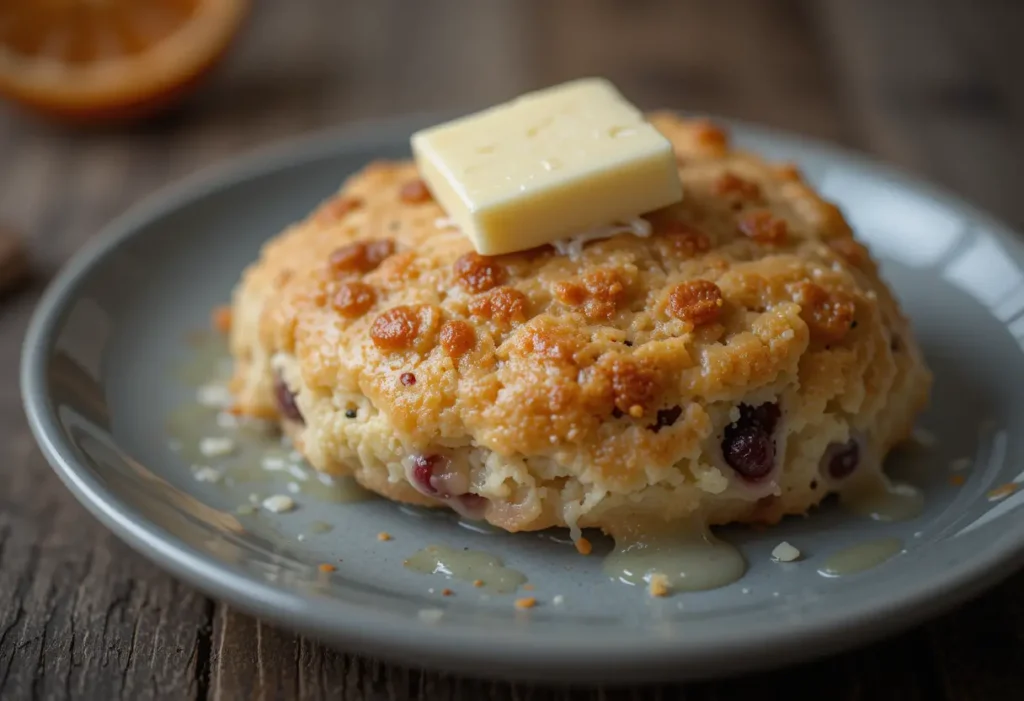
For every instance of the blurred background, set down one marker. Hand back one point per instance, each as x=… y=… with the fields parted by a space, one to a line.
x=928 y=84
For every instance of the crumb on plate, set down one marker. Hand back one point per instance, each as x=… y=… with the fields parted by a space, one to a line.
x=272 y=463
x=203 y=473
x=279 y=503
x=214 y=395
x=959 y=464
x=784 y=552
x=216 y=446
x=658 y=585
x=1002 y=492
x=923 y=437
x=221 y=319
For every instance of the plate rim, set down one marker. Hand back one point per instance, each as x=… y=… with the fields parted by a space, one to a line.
x=453 y=648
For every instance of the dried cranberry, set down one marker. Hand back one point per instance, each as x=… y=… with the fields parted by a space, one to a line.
x=766 y=415
x=748 y=446
x=749 y=451
x=286 y=401
x=841 y=459
x=666 y=417
x=423 y=467
x=407 y=379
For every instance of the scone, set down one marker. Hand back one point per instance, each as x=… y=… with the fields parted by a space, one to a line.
x=736 y=358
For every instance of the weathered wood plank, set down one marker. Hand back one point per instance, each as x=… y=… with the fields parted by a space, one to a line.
x=745 y=59
x=80 y=615
x=930 y=88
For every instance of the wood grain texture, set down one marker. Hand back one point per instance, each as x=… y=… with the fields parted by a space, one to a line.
x=930 y=85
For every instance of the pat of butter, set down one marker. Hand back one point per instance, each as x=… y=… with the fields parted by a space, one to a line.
x=546 y=166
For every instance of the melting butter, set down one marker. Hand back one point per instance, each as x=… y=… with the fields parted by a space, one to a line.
x=208 y=360
x=858 y=558
x=883 y=500
x=254 y=444
x=691 y=559
x=467 y=565
x=477 y=526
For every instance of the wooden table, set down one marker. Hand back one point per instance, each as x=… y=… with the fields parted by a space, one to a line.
x=929 y=85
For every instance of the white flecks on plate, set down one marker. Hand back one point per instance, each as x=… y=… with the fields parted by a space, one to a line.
x=784 y=552
x=216 y=446
x=279 y=503
x=923 y=437
x=294 y=487
x=558 y=600
x=325 y=478
x=300 y=537
x=272 y=463
x=255 y=498
x=225 y=419
x=214 y=395
x=430 y=615
x=295 y=456
x=298 y=473
x=960 y=464
x=202 y=473
x=745 y=590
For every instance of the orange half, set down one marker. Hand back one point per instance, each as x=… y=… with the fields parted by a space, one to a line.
x=96 y=60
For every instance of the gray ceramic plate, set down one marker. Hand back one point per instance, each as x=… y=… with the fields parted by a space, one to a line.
x=99 y=383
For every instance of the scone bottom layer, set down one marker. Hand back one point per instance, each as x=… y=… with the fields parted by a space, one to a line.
x=738 y=364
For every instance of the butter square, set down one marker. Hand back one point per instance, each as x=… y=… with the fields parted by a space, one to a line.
x=547 y=165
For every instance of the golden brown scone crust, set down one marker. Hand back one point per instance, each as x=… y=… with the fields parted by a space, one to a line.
x=541 y=377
